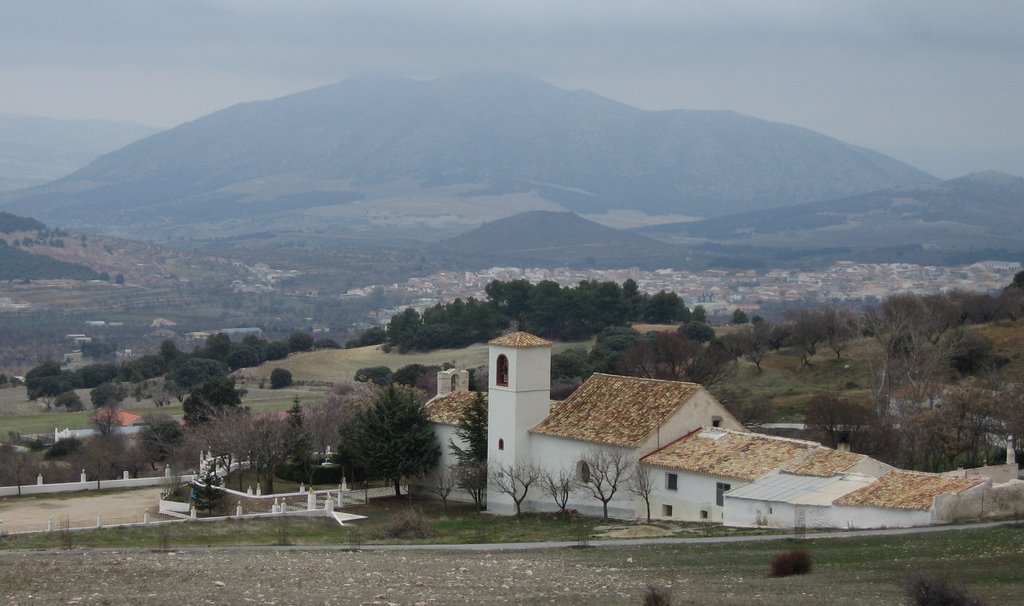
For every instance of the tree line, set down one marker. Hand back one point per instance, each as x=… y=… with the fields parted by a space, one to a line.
x=546 y=309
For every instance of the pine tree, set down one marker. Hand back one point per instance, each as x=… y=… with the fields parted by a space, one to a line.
x=393 y=438
x=207 y=494
x=472 y=431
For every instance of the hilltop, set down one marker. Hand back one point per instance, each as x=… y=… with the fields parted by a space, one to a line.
x=981 y=211
x=561 y=238
x=373 y=152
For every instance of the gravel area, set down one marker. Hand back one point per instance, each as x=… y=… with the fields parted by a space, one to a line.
x=271 y=576
x=79 y=506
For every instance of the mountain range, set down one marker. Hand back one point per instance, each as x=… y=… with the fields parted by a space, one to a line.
x=981 y=211
x=392 y=154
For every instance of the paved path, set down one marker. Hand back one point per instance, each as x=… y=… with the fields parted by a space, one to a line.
x=603 y=543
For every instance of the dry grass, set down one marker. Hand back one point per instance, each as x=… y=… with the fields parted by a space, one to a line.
x=336 y=365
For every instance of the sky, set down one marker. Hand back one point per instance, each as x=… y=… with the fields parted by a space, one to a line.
x=887 y=74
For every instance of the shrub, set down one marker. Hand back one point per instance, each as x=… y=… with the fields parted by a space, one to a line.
x=797 y=561
x=63 y=448
x=929 y=590
x=322 y=474
x=280 y=378
x=656 y=596
x=409 y=524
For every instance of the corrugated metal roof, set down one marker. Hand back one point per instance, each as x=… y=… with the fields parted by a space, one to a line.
x=800 y=489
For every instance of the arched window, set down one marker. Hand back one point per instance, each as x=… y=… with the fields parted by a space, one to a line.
x=502 y=378
x=583 y=472
x=501 y=443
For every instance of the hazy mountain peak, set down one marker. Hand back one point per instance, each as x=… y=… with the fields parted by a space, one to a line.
x=462 y=140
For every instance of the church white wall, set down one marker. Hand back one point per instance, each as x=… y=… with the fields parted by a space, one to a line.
x=694 y=493
x=700 y=411
x=551 y=453
x=422 y=486
x=513 y=410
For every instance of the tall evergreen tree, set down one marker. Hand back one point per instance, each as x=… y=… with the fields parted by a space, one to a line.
x=393 y=438
x=207 y=494
x=471 y=431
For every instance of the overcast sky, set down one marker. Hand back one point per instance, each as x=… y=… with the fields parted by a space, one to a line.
x=886 y=74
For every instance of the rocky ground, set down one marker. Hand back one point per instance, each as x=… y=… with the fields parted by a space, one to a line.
x=275 y=576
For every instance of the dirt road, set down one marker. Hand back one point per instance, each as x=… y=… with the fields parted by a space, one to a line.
x=81 y=506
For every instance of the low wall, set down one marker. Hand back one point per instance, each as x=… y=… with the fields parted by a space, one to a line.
x=27 y=489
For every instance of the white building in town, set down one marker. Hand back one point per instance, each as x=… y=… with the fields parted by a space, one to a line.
x=700 y=462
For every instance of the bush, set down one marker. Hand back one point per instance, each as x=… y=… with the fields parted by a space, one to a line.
x=64 y=448
x=656 y=596
x=409 y=524
x=322 y=474
x=929 y=590
x=280 y=378
x=797 y=561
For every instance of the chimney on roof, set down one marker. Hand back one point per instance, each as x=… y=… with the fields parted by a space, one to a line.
x=1011 y=452
x=843 y=442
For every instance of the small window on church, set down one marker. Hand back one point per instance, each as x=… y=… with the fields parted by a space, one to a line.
x=716 y=421
x=583 y=472
x=501 y=443
x=502 y=378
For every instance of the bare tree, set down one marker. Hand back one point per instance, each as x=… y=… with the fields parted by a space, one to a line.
x=102 y=456
x=840 y=327
x=472 y=477
x=338 y=410
x=515 y=480
x=224 y=436
x=756 y=342
x=16 y=466
x=808 y=332
x=603 y=471
x=642 y=485
x=268 y=440
x=839 y=420
x=559 y=484
x=106 y=418
x=445 y=481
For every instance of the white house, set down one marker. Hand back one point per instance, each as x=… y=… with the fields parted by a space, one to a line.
x=700 y=462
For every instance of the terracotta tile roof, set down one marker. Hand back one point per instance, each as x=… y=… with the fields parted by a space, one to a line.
x=447 y=409
x=824 y=462
x=120 y=417
x=616 y=410
x=728 y=453
x=519 y=340
x=907 y=490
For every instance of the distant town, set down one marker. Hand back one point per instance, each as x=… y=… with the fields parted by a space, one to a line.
x=721 y=292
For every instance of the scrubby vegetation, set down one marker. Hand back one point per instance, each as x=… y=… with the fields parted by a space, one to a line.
x=797 y=561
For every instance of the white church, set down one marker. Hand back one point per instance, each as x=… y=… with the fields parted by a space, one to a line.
x=703 y=465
